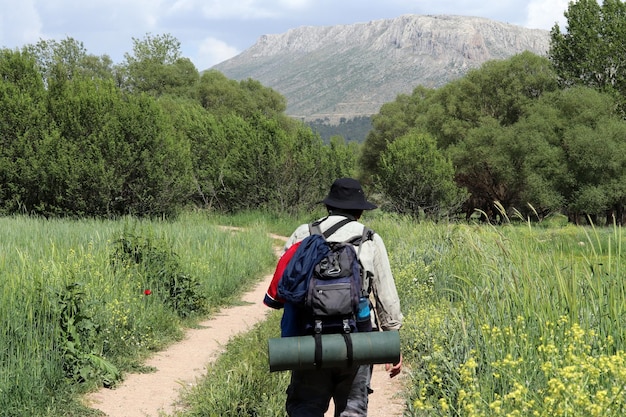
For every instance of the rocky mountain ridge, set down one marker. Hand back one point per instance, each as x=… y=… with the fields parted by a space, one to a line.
x=344 y=71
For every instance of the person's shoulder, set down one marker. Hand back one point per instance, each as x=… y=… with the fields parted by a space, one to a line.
x=299 y=234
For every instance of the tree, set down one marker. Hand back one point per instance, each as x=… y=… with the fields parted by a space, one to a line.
x=393 y=120
x=488 y=164
x=23 y=122
x=471 y=120
x=416 y=178
x=499 y=90
x=156 y=67
x=68 y=58
x=592 y=51
x=221 y=95
x=594 y=148
x=541 y=163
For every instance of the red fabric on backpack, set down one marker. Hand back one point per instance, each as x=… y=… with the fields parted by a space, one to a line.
x=271 y=296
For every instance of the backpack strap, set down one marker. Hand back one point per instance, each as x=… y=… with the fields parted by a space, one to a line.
x=314 y=228
x=318 y=356
x=368 y=234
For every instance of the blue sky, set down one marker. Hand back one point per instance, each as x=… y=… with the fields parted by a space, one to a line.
x=211 y=31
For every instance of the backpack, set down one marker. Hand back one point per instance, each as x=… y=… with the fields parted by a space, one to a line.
x=324 y=281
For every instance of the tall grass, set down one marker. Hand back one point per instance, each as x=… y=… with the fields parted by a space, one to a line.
x=72 y=316
x=239 y=383
x=499 y=321
x=504 y=320
x=522 y=321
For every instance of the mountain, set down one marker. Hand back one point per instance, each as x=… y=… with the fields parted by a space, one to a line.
x=345 y=71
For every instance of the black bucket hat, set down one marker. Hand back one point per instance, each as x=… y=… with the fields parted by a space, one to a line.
x=346 y=193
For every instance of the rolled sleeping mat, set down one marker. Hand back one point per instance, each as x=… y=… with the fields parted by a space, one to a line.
x=333 y=350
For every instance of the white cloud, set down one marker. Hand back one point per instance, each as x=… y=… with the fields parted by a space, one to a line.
x=543 y=14
x=231 y=9
x=296 y=4
x=212 y=51
x=19 y=24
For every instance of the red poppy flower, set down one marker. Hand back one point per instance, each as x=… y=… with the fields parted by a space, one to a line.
x=147 y=292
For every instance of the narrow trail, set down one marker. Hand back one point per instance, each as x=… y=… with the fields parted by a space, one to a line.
x=182 y=364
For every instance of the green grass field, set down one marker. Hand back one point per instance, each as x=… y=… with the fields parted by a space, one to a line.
x=508 y=320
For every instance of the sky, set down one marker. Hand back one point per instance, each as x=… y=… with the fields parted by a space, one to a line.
x=212 y=31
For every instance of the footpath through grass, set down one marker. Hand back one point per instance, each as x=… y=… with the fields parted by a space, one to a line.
x=518 y=319
x=82 y=302
x=512 y=320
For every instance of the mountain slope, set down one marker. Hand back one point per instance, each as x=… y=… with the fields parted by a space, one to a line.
x=351 y=70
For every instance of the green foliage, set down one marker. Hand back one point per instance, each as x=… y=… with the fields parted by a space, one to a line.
x=164 y=276
x=22 y=104
x=220 y=96
x=150 y=137
x=586 y=152
x=239 y=382
x=352 y=130
x=589 y=52
x=341 y=158
x=244 y=163
x=156 y=67
x=416 y=178
x=69 y=317
x=510 y=320
x=392 y=121
x=516 y=142
x=109 y=154
x=500 y=320
x=78 y=340
x=469 y=119
x=69 y=59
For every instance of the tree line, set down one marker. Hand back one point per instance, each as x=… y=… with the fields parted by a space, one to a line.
x=149 y=137
x=530 y=135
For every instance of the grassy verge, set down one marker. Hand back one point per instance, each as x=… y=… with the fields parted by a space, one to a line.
x=510 y=320
x=522 y=320
x=82 y=302
x=499 y=321
x=239 y=382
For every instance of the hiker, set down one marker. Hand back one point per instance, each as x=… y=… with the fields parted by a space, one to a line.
x=310 y=391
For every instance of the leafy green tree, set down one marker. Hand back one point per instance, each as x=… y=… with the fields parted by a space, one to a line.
x=564 y=154
x=220 y=95
x=594 y=145
x=416 y=178
x=393 y=120
x=107 y=153
x=301 y=171
x=207 y=143
x=156 y=67
x=471 y=120
x=23 y=123
x=68 y=58
x=499 y=90
x=342 y=158
x=154 y=161
x=591 y=50
x=541 y=162
x=488 y=164
x=263 y=99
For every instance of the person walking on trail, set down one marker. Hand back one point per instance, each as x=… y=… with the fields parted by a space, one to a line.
x=310 y=391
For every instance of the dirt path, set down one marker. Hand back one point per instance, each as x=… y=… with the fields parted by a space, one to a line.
x=152 y=394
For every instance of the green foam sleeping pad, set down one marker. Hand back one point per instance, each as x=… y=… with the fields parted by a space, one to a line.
x=298 y=353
